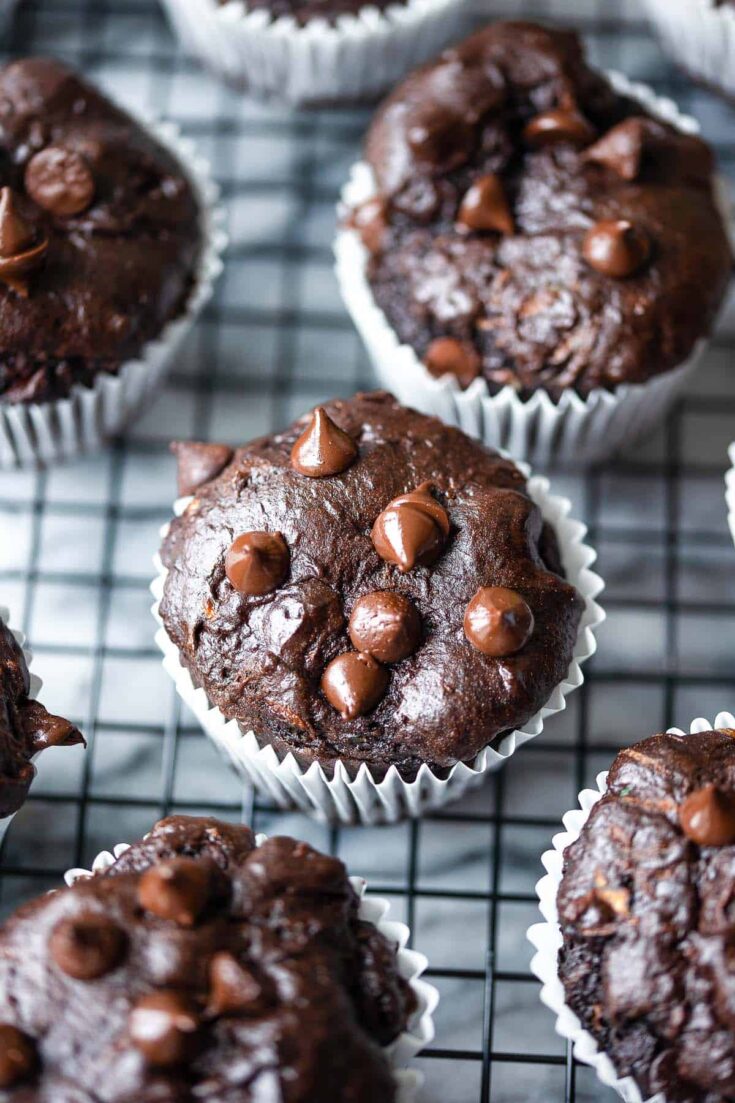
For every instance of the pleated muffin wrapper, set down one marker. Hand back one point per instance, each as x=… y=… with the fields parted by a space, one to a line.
x=341 y=795
x=573 y=430
x=730 y=491
x=40 y=433
x=546 y=937
x=353 y=58
x=35 y=689
x=700 y=36
x=420 y=1030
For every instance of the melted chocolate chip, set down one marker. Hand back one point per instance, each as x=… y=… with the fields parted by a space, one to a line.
x=17 y=1056
x=354 y=683
x=86 y=946
x=198 y=463
x=558 y=125
x=257 y=562
x=412 y=530
x=323 y=448
x=485 y=207
x=440 y=140
x=178 y=889
x=616 y=248
x=621 y=148
x=498 y=621
x=385 y=625
x=371 y=222
x=448 y=356
x=707 y=817
x=162 y=1027
x=20 y=252
x=233 y=989
x=60 y=181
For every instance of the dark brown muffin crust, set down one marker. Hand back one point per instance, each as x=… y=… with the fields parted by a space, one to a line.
x=281 y=661
x=201 y=967
x=25 y=726
x=494 y=165
x=115 y=271
x=646 y=907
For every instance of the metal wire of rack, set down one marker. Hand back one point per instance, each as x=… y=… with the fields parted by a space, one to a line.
x=77 y=542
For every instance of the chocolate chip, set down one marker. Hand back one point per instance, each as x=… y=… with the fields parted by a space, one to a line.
x=17 y=1056
x=558 y=125
x=385 y=625
x=441 y=141
x=257 y=562
x=485 y=207
x=354 y=683
x=323 y=448
x=233 y=988
x=60 y=181
x=178 y=889
x=498 y=621
x=21 y=252
x=411 y=530
x=162 y=1026
x=198 y=463
x=616 y=248
x=448 y=356
x=86 y=946
x=707 y=816
x=370 y=220
x=620 y=149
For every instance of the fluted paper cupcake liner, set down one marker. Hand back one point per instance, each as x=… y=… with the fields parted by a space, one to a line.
x=343 y=798
x=730 y=491
x=355 y=58
x=573 y=430
x=700 y=35
x=419 y=1032
x=35 y=689
x=39 y=433
x=547 y=940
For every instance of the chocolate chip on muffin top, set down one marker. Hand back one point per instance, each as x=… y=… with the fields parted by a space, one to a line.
x=535 y=227
x=647 y=912
x=99 y=233
x=200 y=966
x=404 y=608
x=25 y=726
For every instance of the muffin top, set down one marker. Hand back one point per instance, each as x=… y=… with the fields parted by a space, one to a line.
x=535 y=228
x=200 y=967
x=370 y=585
x=646 y=907
x=99 y=233
x=25 y=726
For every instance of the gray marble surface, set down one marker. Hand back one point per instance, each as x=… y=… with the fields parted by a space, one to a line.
x=76 y=546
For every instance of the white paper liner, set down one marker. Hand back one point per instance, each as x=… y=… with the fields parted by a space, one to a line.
x=35 y=688
x=419 y=1032
x=546 y=936
x=355 y=58
x=730 y=491
x=573 y=430
x=342 y=798
x=45 y=432
x=700 y=35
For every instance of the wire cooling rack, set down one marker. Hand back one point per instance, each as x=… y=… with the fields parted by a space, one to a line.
x=76 y=544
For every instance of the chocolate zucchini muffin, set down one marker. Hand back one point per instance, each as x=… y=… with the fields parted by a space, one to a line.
x=25 y=726
x=646 y=912
x=99 y=233
x=370 y=585
x=535 y=228
x=200 y=966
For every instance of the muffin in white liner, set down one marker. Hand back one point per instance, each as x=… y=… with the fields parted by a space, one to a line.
x=420 y=1030
x=730 y=491
x=573 y=430
x=359 y=798
x=546 y=937
x=700 y=36
x=353 y=58
x=33 y=434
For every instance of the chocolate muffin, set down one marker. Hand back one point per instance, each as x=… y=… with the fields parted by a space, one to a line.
x=535 y=228
x=99 y=233
x=200 y=966
x=370 y=586
x=25 y=726
x=646 y=913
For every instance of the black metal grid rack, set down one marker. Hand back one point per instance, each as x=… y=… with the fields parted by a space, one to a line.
x=76 y=544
